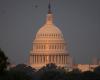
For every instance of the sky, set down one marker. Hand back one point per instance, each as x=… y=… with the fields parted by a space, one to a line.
x=79 y=21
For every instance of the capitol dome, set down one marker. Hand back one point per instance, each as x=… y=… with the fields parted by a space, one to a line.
x=49 y=29
x=49 y=45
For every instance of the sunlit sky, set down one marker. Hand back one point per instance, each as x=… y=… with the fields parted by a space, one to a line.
x=79 y=21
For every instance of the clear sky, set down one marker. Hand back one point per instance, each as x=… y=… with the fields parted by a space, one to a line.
x=79 y=21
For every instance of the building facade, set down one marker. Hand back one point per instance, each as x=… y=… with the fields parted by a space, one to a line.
x=49 y=45
x=86 y=67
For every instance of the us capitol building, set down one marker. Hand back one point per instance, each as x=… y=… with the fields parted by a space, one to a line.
x=49 y=45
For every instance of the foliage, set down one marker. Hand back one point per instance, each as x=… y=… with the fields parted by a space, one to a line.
x=26 y=72
x=3 y=62
x=89 y=75
x=52 y=72
x=97 y=70
x=76 y=70
x=48 y=72
x=20 y=72
x=17 y=75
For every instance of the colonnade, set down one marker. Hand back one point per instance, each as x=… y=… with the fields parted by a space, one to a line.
x=45 y=59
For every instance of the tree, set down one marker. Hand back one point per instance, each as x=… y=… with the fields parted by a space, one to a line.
x=22 y=72
x=75 y=74
x=89 y=75
x=51 y=72
x=3 y=62
x=76 y=70
x=97 y=70
x=17 y=75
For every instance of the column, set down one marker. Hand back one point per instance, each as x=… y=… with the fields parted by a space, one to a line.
x=45 y=59
x=36 y=59
x=62 y=59
x=49 y=58
x=53 y=58
x=32 y=59
x=65 y=59
x=42 y=59
x=57 y=59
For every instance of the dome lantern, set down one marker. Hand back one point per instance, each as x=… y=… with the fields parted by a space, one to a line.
x=49 y=19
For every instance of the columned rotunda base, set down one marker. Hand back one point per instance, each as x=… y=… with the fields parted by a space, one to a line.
x=39 y=61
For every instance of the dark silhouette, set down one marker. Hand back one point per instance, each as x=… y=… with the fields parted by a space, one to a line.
x=48 y=72
x=3 y=62
x=24 y=72
x=51 y=72
x=97 y=70
x=90 y=75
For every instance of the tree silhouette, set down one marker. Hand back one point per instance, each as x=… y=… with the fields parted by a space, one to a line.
x=3 y=62
x=97 y=70
x=90 y=75
x=51 y=72
x=22 y=72
x=76 y=70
